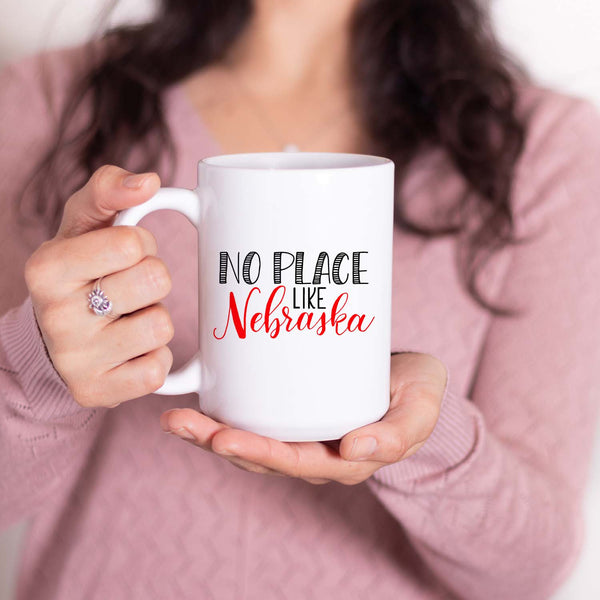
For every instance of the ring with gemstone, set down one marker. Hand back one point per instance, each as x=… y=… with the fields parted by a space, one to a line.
x=99 y=303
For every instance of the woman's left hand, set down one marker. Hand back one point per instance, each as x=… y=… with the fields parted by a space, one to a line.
x=417 y=387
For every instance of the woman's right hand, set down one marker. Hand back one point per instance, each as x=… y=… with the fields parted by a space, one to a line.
x=104 y=361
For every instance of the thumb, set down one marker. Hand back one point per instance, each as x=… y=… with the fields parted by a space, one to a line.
x=418 y=383
x=109 y=190
x=403 y=430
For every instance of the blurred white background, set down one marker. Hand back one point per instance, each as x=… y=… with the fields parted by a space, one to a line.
x=556 y=39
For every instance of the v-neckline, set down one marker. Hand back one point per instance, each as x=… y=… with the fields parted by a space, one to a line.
x=191 y=116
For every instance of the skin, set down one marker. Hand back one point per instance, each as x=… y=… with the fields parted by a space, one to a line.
x=297 y=69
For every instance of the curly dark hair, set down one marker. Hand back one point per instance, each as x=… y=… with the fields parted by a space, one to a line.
x=428 y=74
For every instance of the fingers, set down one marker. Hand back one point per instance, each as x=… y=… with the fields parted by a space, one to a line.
x=418 y=382
x=103 y=362
x=315 y=462
x=109 y=190
x=133 y=379
x=142 y=285
x=246 y=465
x=133 y=335
x=191 y=424
x=102 y=368
x=60 y=267
x=312 y=461
x=199 y=429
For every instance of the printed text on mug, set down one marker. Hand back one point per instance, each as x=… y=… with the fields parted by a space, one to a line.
x=297 y=306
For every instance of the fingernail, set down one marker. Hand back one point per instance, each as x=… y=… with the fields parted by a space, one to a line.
x=363 y=447
x=224 y=452
x=184 y=433
x=134 y=181
x=164 y=421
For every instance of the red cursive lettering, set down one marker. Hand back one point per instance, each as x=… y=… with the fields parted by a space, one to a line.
x=276 y=319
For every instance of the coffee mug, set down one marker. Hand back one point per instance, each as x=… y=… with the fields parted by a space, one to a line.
x=294 y=310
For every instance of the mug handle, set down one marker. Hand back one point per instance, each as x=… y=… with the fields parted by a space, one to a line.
x=187 y=202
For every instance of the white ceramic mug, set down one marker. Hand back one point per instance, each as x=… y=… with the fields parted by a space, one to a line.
x=295 y=266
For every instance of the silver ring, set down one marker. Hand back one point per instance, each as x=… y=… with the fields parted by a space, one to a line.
x=99 y=303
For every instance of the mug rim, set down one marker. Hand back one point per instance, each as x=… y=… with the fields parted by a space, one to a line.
x=292 y=161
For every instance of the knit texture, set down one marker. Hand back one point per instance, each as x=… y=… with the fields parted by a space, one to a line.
x=488 y=508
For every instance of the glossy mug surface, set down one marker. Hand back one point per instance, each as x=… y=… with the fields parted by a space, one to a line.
x=295 y=266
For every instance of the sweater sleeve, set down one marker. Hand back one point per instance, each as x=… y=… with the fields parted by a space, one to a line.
x=44 y=433
x=492 y=501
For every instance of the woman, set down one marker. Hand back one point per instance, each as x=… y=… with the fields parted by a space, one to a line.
x=471 y=485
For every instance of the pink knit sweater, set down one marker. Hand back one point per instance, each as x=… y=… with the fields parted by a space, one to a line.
x=488 y=508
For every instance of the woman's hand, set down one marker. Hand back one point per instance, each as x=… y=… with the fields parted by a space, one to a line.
x=104 y=361
x=418 y=382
